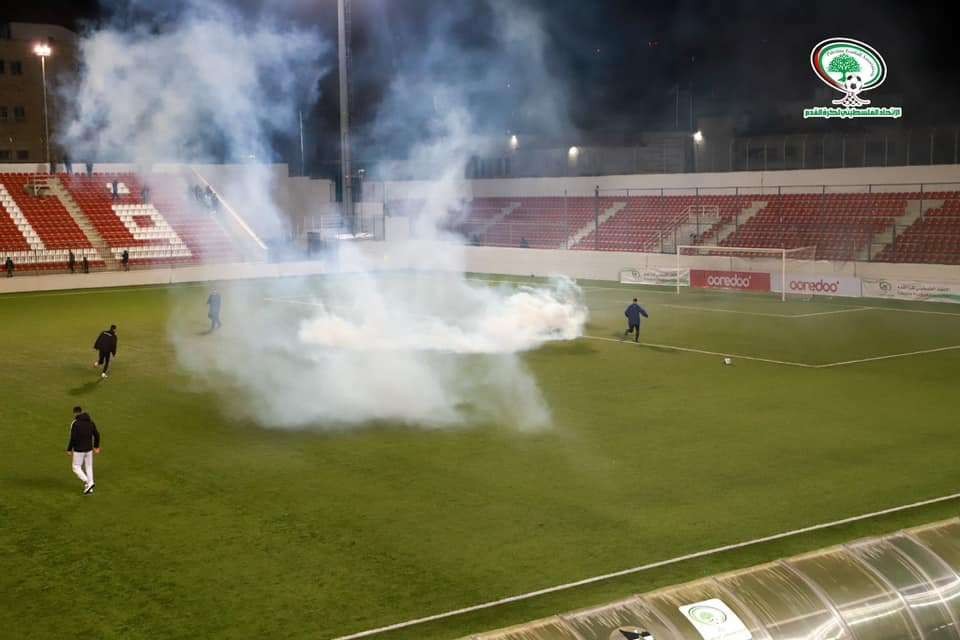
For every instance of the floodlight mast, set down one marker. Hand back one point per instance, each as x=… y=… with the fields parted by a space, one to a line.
x=343 y=50
x=44 y=50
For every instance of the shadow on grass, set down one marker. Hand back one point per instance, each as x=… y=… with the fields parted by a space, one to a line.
x=84 y=389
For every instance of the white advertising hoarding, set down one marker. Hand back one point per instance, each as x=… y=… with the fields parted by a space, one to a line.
x=819 y=285
x=893 y=289
x=661 y=276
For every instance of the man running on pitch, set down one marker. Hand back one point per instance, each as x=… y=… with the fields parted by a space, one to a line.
x=633 y=313
x=106 y=346
x=84 y=442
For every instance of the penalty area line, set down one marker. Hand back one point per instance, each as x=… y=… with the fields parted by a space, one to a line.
x=646 y=567
x=703 y=352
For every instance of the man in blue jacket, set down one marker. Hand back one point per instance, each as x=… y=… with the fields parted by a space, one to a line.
x=633 y=313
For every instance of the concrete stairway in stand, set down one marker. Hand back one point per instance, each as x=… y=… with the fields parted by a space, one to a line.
x=914 y=210
x=727 y=229
x=593 y=225
x=59 y=191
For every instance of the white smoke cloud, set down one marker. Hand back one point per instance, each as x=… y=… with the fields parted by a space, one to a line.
x=428 y=349
x=479 y=320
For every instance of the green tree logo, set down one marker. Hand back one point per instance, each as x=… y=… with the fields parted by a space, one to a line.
x=843 y=64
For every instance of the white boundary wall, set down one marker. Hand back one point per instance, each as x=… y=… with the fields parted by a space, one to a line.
x=606 y=265
x=590 y=265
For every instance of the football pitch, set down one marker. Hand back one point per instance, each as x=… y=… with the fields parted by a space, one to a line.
x=207 y=525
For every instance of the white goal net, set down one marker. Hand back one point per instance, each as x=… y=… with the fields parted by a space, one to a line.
x=748 y=269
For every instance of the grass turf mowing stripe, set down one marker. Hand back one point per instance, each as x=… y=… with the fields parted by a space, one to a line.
x=644 y=567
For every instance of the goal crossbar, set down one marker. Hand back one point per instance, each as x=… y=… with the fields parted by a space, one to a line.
x=742 y=252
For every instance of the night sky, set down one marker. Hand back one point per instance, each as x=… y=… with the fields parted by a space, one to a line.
x=622 y=60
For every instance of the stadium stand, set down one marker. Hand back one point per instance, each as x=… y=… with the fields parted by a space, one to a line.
x=170 y=229
x=842 y=226
x=933 y=238
x=36 y=231
x=645 y=221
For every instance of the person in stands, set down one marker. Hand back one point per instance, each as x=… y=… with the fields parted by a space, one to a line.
x=125 y=260
x=84 y=442
x=86 y=264
x=106 y=347
x=72 y=262
x=8 y=265
x=145 y=194
x=115 y=189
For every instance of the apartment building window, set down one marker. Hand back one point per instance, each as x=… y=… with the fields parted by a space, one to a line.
x=16 y=68
x=23 y=154
x=3 y=66
x=4 y=113
x=5 y=154
x=19 y=114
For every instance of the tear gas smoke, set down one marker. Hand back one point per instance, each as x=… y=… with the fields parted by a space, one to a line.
x=429 y=349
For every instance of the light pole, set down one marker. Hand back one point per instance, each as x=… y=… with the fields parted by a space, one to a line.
x=44 y=50
x=343 y=50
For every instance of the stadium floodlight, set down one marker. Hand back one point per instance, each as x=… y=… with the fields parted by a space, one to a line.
x=44 y=50
x=573 y=153
x=514 y=142
x=698 y=137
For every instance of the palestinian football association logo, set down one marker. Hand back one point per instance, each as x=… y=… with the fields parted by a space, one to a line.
x=852 y=68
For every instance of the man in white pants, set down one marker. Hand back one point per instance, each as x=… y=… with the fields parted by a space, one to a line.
x=84 y=442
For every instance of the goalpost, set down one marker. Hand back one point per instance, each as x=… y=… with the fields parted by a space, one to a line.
x=753 y=269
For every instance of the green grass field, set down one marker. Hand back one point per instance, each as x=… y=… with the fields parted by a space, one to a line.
x=209 y=526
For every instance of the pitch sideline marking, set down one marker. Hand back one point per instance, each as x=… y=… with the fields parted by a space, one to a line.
x=671 y=347
x=826 y=365
x=888 y=357
x=924 y=311
x=703 y=352
x=645 y=567
x=767 y=315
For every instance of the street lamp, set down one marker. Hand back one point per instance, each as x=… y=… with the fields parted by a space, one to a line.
x=698 y=137
x=44 y=50
x=514 y=143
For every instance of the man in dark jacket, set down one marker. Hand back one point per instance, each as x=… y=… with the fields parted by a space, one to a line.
x=633 y=313
x=106 y=346
x=84 y=442
x=213 y=302
x=125 y=260
x=8 y=265
x=72 y=262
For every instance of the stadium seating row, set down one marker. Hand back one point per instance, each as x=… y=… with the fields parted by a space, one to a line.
x=37 y=230
x=843 y=226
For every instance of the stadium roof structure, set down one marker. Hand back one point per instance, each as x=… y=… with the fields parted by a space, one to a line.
x=904 y=585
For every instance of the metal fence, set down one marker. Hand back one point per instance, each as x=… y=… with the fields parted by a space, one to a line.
x=829 y=151
x=867 y=222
